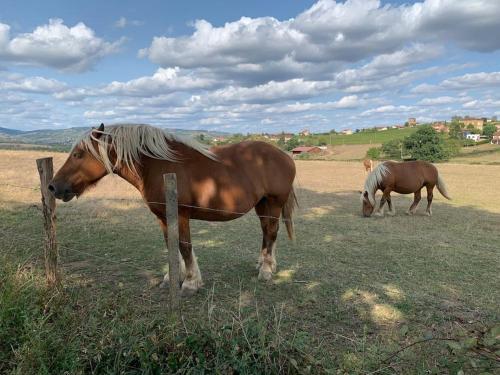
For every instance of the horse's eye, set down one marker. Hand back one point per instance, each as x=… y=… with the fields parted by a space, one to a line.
x=77 y=155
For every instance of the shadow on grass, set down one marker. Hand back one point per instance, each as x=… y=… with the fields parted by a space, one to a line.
x=344 y=278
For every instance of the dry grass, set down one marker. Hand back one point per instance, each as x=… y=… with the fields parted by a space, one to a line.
x=357 y=288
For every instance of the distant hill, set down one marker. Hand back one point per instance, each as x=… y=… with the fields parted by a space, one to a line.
x=9 y=132
x=64 y=138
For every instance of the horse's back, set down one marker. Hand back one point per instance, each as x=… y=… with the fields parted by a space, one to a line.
x=259 y=164
x=409 y=175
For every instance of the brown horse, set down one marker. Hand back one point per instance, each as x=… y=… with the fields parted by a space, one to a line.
x=215 y=185
x=368 y=164
x=404 y=178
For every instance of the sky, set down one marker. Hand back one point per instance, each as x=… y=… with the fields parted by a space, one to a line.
x=247 y=66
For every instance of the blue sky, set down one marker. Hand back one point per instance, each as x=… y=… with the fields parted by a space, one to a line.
x=247 y=66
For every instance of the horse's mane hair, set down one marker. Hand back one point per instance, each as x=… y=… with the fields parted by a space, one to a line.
x=374 y=179
x=129 y=142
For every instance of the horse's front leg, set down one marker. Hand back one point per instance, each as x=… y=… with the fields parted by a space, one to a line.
x=413 y=207
x=190 y=275
x=192 y=281
x=380 y=211
x=392 y=210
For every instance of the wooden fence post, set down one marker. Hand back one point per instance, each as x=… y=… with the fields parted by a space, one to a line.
x=170 y=184
x=46 y=171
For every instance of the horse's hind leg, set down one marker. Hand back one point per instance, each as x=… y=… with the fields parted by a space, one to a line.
x=430 y=195
x=269 y=212
x=413 y=207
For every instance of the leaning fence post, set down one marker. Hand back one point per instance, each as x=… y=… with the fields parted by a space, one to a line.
x=46 y=171
x=170 y=184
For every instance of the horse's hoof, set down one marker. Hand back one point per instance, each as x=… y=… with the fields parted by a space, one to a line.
x=410 y=213
x=274 y=266
x=391 y=213
x=163 y=285
x=190 y=287
x=187 y=292
x=265 y=275
x=378 y=214
x=428 y=213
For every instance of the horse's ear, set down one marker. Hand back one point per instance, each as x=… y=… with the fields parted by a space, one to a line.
x=97 y=133
x=365 y=194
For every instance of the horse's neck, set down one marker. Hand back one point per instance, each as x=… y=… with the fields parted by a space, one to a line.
x=131 y=177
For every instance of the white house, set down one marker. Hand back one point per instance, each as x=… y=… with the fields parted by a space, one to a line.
x=474 y=137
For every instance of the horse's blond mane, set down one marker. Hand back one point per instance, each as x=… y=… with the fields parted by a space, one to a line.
x=129 y=142
x=374 y=179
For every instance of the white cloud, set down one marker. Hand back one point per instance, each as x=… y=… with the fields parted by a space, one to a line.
x=270 y=92
x=161 y=82
x=122 y=22
x=39 y=85
x=56 y=45
x=332 y=32
x=442 y=100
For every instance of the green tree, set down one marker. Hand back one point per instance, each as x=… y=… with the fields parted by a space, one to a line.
x=426 y=144
x=456 y=130
x=488 y=130
x=292 y=143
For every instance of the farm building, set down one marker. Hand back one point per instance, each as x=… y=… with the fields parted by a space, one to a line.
x=475 y=122
x=440 y=127
x=474 y=137
x=305 y=133
x=306 y=150
x=496 y=138
x=346 y=132
x=412 y=121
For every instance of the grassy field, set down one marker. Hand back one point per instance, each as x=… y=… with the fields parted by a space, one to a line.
x=393 y=295
x=362 y=138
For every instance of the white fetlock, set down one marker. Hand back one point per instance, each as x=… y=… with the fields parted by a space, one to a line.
x=391 y=213
x=182 y=274
x=379 y=214
x=266 y=271
x=190 y=287
x=428 y=212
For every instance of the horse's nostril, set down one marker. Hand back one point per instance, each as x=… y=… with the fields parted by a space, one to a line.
x=52 y=188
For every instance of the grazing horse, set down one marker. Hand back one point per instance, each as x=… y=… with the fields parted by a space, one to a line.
x=368 y=164
x=220 y=184
x=403 y=178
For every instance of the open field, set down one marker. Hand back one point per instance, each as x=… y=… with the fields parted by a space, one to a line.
x=362 y=138
x=482 y=154
x=349 y=293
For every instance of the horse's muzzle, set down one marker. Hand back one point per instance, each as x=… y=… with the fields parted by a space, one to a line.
x=61 y=191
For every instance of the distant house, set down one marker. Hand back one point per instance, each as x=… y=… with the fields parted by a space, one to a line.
x=305 y=133
x=496 y=138
x=440 y=127
x=381 y=128
x=477 y=123
x=474 y=137
x=412 y=121
x=219 y=139
x=306 y=150
x=346 y=132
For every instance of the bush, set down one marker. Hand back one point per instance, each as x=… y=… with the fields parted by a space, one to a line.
x=373 y=153
x=392 y=149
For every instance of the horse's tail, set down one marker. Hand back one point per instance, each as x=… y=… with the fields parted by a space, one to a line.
x=287 y=212
x=442 y=188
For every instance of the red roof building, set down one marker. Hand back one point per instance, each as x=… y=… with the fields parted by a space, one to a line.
x=306 y=150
